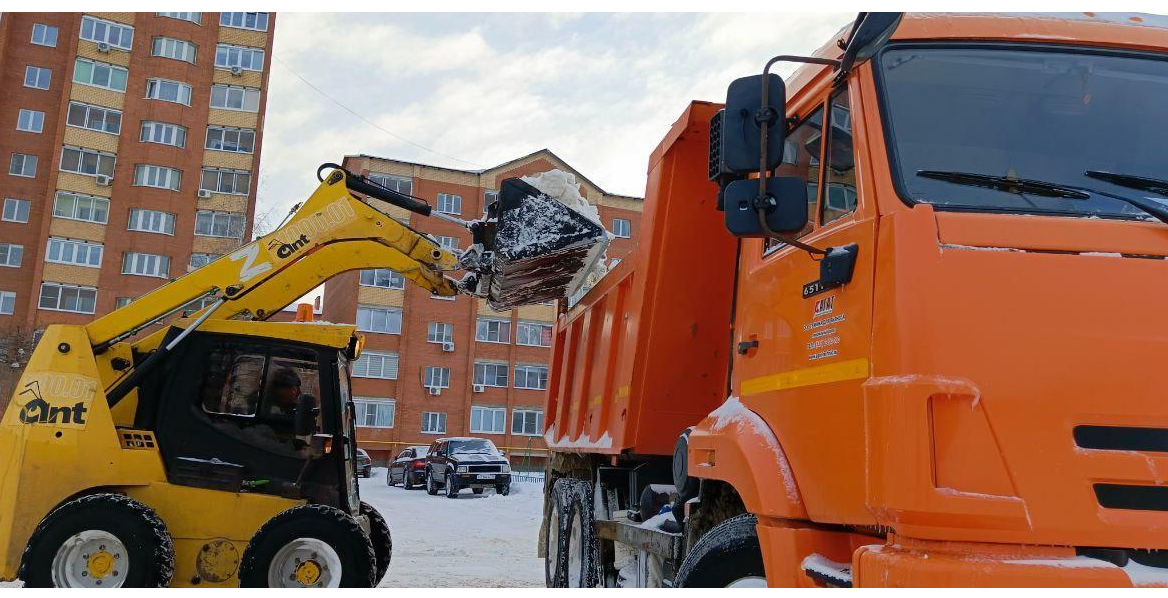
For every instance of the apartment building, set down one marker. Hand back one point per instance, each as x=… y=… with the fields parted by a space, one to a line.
x=131 y=143
x=453 y=367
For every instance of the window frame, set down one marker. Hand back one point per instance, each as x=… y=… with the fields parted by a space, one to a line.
x=38 y=70
x=89 y=110
x=527 y=373
x=7 y=298
x=94 y=64
x=244 y=90
x=220 y=176
x=77 y=244
x=237 y=221
x=18 y=203
x=243 y=20
x=186 y=46
x=447 y=333
x=489 y=321
x=385 y=358
x=45 y=30
x=61 y=287
x=167 y=219
x=395 y=276
x=534 y=323
x=154 y=85
x=93 y=200
x=359 y=416
x=32 y=120
x=223 y=132
x=482 y=365
x=149 y=130
x=439 y=417
x=23 y=165
x=628 y=225
x=527 y=412
x=108 y=26
x=9 y=251
x=372 y=310
x=240 y=51
x=443 y=376
x=483 y=411
x=197 y=17
x=449 y=198
x=160 y=264
x=83 y=153
x=171 y=173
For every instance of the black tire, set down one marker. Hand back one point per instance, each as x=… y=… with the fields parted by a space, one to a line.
x=582 y=520
x=431 y=485
x=503 y=489
x=477 y=490
x=380 y=538
x=727 y=553
x=451 y=486
x=329 y=525
x=555 y=564
x=149 y=556
x=407 y=483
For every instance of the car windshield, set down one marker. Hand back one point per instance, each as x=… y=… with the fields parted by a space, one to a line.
x=1042 y=114
x=475 y=446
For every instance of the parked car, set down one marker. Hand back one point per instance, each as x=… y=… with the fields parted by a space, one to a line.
x=456 y=463
x=364 y=464
x=408 y=468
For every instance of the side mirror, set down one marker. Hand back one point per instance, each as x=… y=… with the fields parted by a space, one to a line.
x=869 y=33
x=785 y=204
x=745 y=118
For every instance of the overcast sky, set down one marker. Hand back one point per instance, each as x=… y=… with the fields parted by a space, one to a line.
x=599 y=90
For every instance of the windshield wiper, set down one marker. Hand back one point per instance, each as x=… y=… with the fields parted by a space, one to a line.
x=1032 y=187
x=1131 y=181
x=1007 y=184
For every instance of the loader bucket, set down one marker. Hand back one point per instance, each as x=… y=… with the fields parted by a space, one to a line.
x=543 y=249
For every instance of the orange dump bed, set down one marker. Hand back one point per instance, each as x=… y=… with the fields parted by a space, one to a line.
x=644 y=354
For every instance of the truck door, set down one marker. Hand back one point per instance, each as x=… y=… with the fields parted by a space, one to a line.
x=803 y=376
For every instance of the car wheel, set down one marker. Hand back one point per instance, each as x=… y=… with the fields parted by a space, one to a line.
x=99 y=541
x=431 y=487
x=728 y=555
x=503 y=489
x=407 y=482
x=309 y=546
x=451 y=487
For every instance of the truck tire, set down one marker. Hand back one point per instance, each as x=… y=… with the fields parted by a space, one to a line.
x=309 y=546
x=381 y=539
x=728 y=555
x=99 y=541
x=555 y=563
x=431 y=487
x=450 y=485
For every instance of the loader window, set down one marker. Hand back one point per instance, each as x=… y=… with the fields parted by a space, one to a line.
x=232 y=381
x=801 y=158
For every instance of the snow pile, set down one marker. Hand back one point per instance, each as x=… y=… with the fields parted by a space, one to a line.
x=562 y=187
x=733 y=412
x=604 y=442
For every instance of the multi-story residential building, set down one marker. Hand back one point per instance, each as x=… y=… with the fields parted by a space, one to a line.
x=130 y=142
x=453 y=367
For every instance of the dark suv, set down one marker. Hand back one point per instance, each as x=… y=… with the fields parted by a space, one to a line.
x=456 y=463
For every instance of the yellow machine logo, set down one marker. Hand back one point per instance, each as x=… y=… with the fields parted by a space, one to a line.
x=292 y=238
x=59 y=399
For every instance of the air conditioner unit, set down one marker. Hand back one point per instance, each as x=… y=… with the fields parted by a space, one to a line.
x=448 y=347
x=434 y=390
x=479 y=388
x=103 y=47
x=204 y=194
x=103 y=180
x=236 y=71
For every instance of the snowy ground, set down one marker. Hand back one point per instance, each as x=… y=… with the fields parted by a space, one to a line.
x=483 y=541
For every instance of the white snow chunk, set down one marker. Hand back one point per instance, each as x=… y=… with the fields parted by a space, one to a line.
x=656 y=521
x=1144 y=576
x=957 y=386
x=1074 y=562
x=841 y=573
x=734 y=412
x=562 y=187
x=604 y=442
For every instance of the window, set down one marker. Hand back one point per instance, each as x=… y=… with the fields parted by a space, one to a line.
x=22 y=165
x=164 y=133
x=622 y=228
x=840 y=198
x=248 y=59
x=440 y=332
x=436 y=377
x=533 y=334
x=32 y=121
x=99 y=74
x=531 y=377
x=489 y=330
x=386 y=279
x=151 y=221
x=67 y=297
x=148 y=175
x=489 y=199
x=10 y=255
x=94 y=118
x=374 y=413
x=120 y=302
x=256 y=21
x=226 y=225
x=168 y=91
x=108 y=32
x=194 y=17
x=7 y=303
x=433 y=423
x=490 y=374
x=447 y=242
x=231 y=97
x=400 y=184
x=198 y=260
x=801 y=159
x=168 y=47
x=146 y=264
x=241 y=141
x=487 y=420
x=449 y=204
x=75 y=206
x=527 y=422
x=44 y=35
x=375 y=365
x=219 y=180
x=80 y=160
x=377 y=319
x=16 y=210
x=37 y=77
x=74 y=253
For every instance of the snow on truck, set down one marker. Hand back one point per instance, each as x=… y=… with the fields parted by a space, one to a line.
x=892 y=322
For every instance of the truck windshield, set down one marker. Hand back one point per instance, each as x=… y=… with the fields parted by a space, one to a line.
x=1043 y=114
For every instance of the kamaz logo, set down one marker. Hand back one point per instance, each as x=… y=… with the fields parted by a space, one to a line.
x=75 y=391
x=284 y=250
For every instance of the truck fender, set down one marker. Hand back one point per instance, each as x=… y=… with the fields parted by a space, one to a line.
x=734 y=445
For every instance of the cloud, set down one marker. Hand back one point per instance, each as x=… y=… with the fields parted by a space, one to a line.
x=598 y=89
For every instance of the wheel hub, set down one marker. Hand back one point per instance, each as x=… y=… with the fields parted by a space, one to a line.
x=90 y=559
x=305 y=563
x=100 y=564
x=307 y=573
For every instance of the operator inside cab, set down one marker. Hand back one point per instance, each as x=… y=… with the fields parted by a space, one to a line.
x=289 y=403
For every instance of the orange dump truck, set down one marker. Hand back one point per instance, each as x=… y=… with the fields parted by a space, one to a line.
x=892 y=322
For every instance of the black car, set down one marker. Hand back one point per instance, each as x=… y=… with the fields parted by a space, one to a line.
x=408 y=467
x=364 y=464
x=456 y=463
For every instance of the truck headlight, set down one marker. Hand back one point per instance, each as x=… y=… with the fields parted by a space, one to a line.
x=505 y=468
x=462 y=469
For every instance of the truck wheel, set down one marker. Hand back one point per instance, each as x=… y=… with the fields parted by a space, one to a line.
x=431 y=488
x=451 y=486
x=555 y=563
x=310 y=546
x=99 y=541
x=727 y=556
x=581 y=546
x=380 y=538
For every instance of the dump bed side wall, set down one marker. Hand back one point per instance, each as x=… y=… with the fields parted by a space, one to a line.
x=645 y=353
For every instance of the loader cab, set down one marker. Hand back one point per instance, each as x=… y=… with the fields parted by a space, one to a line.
x=259 y=408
